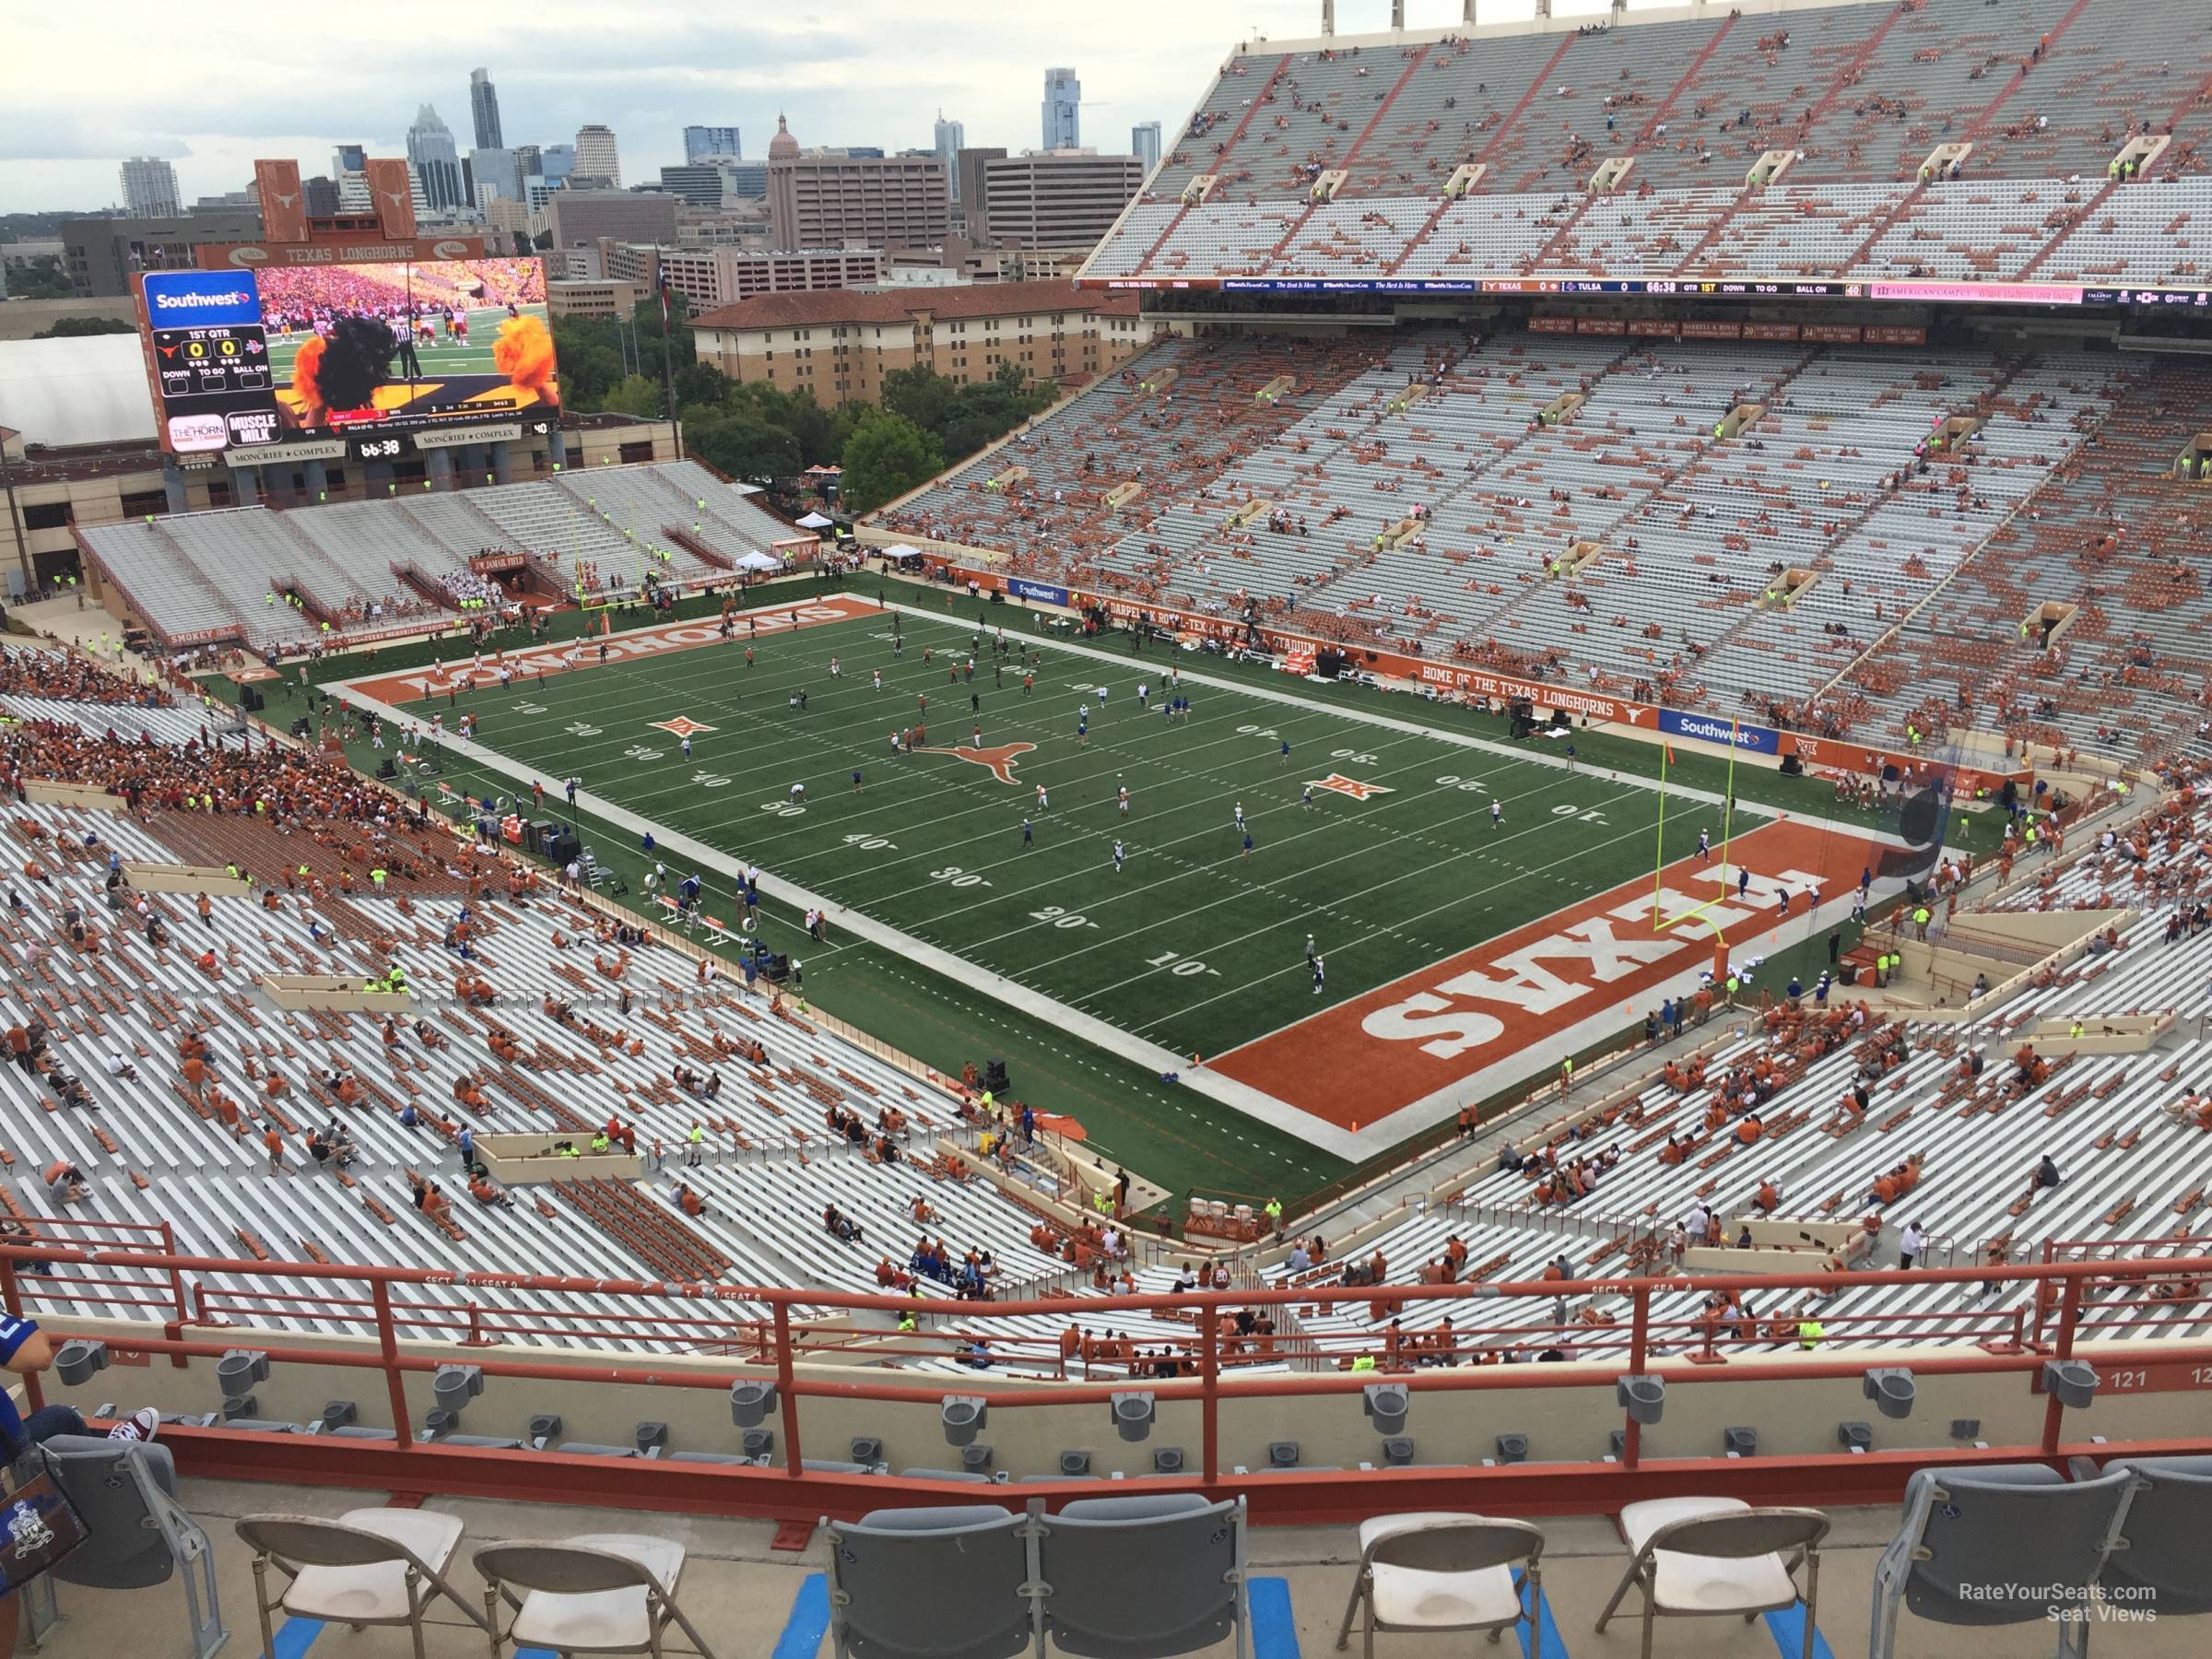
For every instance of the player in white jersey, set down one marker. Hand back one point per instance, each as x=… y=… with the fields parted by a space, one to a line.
x=1497 y=815
x=1124 y=800
x=1240 y=814
x=1705 y=846
x=1118 y=855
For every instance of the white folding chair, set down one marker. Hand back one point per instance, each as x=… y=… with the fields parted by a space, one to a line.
x=1437 y=1570
x=602 y=1593
x=369 y=1566
x=1705 y=1556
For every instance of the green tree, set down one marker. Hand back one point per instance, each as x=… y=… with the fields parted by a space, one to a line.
x=635 y=395
x=886 y=456
x=743 y=446
x=71 y=328
x=42 y=279
x=700 y=383
x=920 y=395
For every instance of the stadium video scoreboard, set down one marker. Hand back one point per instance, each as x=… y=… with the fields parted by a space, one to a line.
x=385 y=354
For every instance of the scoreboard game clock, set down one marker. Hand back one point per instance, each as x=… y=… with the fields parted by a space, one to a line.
x=213 y=381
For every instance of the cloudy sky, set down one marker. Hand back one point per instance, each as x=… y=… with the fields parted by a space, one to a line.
x=83 y=86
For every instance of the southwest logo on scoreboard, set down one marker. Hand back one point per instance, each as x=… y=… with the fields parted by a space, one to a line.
x=683 y=726
x=1350 y=786
x=200 y=299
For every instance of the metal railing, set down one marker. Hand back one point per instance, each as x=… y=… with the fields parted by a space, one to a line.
x=1215 y=1365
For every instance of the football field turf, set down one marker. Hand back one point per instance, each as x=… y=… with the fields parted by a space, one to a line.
x=1394 y=866
x=441 y=358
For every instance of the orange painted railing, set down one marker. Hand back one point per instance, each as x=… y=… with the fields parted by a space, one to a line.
x=1210 y=1367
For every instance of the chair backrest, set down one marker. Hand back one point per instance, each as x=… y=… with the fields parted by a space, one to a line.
x=2165 y=1568
x=561 y=1569
x=306 y=1541
x=1738 y=1534
x=2007 y=1543
x=123 y=1491
x=1469 y=1545
x=929 y=1583
x=1187 y=1554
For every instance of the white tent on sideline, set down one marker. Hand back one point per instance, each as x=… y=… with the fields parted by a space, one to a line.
x=758 y=561
x=814 y=521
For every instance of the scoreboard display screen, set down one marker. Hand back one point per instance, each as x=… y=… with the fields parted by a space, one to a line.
x=241 y=359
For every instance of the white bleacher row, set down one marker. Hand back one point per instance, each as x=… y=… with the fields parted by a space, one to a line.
x=167 y=1163
x=2069 y=231
x=1860 y=91
x=1976 y=1168
x=1690 y=528
x=162 y=724
x=1328 y=462
x=368 y=566
x=1171 y=421
x=2125 y=539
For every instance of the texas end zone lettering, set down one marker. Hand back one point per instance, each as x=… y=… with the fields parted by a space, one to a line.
x=1472 y=1024
x=1578 y=963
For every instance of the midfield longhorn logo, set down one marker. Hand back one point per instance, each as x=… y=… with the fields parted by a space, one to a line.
x=999 y=760
x=1350 y=786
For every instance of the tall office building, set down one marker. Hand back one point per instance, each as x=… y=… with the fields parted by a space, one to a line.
x=838 y=199
x=952 y=138
x=484 y=104
x=699 y=183
x=528 y=158
x=348 y=157
x=1144 y=144
x=1065 y=199
x=1063 y=110
x=493 y=174
x=436 y=161
x=705 y=145
x=596 y=157
x=149 y=188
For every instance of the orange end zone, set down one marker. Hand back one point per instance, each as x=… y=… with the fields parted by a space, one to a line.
x=536 y=662
x=1463 y=1020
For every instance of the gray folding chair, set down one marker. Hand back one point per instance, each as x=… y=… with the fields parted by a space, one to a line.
x=2163 y=1565
x=136 y=1535
x=1707 y=1556
x=1437 y=1570
x=1999 y=1543
x=379 y=1566
x=930 y=1583
x=602 y=1593
x=1184 y=1555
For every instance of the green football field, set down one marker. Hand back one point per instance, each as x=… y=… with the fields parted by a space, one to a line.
x=1192 y=941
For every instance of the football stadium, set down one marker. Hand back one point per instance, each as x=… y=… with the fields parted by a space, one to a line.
x=1551 y=848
